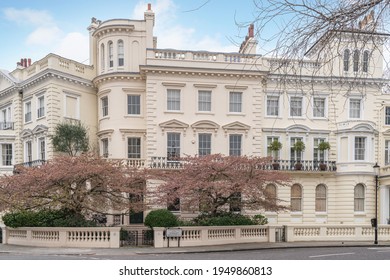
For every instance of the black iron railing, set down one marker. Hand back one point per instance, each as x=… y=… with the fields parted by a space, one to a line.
x=283 y=165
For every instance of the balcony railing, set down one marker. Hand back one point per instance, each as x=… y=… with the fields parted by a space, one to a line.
x=6 y=125
x=282 y=165
x=33 y=163
x=163 y=162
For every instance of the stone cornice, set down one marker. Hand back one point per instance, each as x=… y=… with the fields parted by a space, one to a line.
x=116 y=28
x=210 y=72
x=116 y=76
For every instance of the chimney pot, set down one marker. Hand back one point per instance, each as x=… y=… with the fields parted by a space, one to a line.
x=149 y=6
x=25 y=62
x=29 y=62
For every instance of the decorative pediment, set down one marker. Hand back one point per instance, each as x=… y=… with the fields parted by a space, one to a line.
x=132 y=133
x=105 y=133
x=39 y=129
x=26 y=133
x=363 y=127
x=205 y=125
x=174 y=125
x=298 y=128
x=386 y=132
x=236 y=127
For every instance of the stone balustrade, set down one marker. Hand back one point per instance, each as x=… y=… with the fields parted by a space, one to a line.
x=86 y=237
x=206 y=236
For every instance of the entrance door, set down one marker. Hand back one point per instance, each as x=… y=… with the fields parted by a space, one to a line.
x=136 y=217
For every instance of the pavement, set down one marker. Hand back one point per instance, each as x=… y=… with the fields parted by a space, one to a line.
x=123 y=251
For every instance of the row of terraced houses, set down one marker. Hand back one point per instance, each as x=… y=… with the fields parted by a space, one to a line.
x=148 y=106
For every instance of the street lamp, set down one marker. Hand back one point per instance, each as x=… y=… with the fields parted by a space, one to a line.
x=376 y=172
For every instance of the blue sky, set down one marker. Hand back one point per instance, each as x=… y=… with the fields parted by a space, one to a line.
x=32 y=29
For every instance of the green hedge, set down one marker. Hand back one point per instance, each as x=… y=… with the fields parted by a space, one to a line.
x=161 y=218
x=225 y=219
x=46 y=218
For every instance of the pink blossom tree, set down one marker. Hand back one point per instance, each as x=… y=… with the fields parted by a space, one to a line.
x=215 y=182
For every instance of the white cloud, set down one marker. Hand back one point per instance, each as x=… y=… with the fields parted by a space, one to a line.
x=44 y=36
x=171 y=34
x=74 y=46
x=28 y=16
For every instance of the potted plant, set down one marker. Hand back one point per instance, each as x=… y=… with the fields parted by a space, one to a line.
x=299 y=147
x=275 y=146
x=323 y=146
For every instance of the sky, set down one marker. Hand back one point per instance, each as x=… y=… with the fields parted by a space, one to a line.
x=35 y=28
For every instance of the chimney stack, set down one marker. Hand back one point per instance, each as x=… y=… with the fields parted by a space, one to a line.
x=149 y=6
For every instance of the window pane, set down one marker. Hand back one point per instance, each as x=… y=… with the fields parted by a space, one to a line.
x=204 y=144
x=111 y=54
x=134 y=148
x=354 y=108
x=356 y=55
x=387 y=116
x=173 y=100
x=235 y=102
x=105 y=148
x=296 y=106
x=359 y=198
x=296 y=198
x=346 y=60
x=120 y=53
x=273 y=106
x=6 y=152
x=104 y=106
x=319 y=107
x=360 y=148
x=235 y=145
x=387 y=154
x=365 y=61
x=320 y=198
x=204 y=101
x=173 y=146
x=134 y=104
x=270 y=195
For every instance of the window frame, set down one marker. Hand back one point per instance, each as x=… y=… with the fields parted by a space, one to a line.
x=292 y=113
x=350 y=107
x=110 y=46
x=296 y=198
x=366 y=61
x=235 y=149
x=321 y=198
x=235 y=102
x=272 y=195
x=173 y=151
x=204 y=145
x=27 y=111
x=42 y=148
x=104 y=106
x=6 y=157
x=346 y=60
x=134 y=150
x=121 y=53
x=315 y=108
x=387 y=152
x=273 y=111
x=204 y=103
x=359 y=198
x=173 y=100
x=104 y=145
x=134 y=108
x=360 y=151
x=387 y=115
x=40 y=106
x=28 y=151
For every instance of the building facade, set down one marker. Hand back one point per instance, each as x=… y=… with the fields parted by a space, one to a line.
x=149 y=106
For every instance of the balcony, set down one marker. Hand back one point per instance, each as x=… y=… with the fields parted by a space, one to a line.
x=6 y=125
x=284 y=165
x=33 y=163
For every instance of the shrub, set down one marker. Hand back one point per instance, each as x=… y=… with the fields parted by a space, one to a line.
x=259 y=220
x=46 y=218
x=223 y=219
x=161 y=218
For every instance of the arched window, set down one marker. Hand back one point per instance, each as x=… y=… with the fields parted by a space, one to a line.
x=359 y=197
x=365 y=61
x=320 y=198
x=356 y=57
x=346 y=60
x=121 y=55
x=102 y=57
x=110 y=54
x=270 y=197
x=296 y=198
